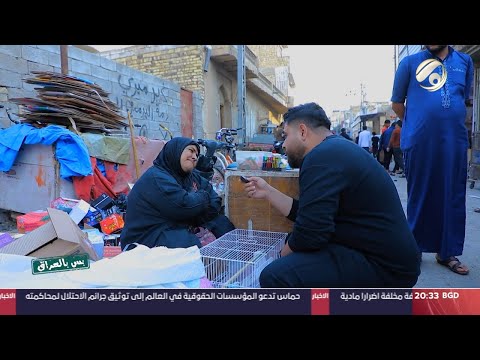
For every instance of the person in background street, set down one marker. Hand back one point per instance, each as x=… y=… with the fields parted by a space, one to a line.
x=172 y=202
x=344 y=234
x=394 y=146
x=278 y=143
x=385 y=126
x=381 y=152
x=278 y=133
x=343 y=132
x=365 y=139
x=375 y=142
x=437 y=83
x=387 y=152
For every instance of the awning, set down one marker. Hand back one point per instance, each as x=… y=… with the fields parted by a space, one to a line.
x=364 y=117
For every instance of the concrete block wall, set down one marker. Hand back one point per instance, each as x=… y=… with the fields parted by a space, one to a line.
x=198 y=128
x=150 y=99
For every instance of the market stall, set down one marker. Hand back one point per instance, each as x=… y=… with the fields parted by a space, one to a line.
x=243 y=211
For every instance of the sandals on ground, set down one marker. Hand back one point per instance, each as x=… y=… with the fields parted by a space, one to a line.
x=453 y=264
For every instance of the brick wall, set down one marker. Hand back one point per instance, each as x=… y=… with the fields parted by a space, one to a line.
x=182 y=64
x=268 y=56
x=150 y=99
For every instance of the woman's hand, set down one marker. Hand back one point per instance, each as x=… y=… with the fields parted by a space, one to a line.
x=257 y=188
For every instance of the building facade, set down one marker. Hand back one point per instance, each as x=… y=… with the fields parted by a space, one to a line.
x=212 y=72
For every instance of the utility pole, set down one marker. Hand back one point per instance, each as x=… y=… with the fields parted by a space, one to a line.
x=241 y=91
x=394 y=59
x=64 y=59
x=363 y=94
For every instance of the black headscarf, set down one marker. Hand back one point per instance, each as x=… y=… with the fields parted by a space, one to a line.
x=169 y=159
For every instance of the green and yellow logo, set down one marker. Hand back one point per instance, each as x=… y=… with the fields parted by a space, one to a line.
x=60 y=263
x=428 y=79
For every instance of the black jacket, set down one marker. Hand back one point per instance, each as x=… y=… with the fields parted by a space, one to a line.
x=346 y=136
x=166 y=203
x=347 y=198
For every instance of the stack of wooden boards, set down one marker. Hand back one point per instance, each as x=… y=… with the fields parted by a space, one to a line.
x=70 y=101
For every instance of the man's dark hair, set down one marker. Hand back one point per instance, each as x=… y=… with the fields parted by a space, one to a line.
x=343 y=130
x=311 y=114
x=387 y=121
x=364 y=127
x=374 y=133
x=399 y=123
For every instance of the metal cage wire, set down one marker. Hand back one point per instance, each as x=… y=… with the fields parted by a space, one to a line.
x=236 y=259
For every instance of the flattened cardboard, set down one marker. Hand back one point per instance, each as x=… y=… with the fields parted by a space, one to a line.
x=61 y=236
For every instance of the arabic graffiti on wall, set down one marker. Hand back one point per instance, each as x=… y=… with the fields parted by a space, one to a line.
x=144 y=101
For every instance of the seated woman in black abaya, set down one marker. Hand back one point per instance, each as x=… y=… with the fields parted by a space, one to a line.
x=172 y=201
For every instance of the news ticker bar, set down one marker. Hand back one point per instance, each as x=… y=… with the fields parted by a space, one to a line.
x=240 y=302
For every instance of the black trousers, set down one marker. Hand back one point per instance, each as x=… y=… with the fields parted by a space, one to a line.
x=387 y=158
x=334 y=267
x=398 y=156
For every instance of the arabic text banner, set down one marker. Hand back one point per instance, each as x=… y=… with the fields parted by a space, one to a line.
x=240 y=301
x=163 y=302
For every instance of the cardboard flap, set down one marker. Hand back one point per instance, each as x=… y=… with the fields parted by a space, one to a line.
x=64 y=226
x=31 y=241
x=55 y=247
x=60 y=236
x=67 y=230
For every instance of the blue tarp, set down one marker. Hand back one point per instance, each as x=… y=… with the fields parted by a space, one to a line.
x=71 y=152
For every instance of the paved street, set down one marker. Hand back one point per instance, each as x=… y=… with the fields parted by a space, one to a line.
x=433 y=274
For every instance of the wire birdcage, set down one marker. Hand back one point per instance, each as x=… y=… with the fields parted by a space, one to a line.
x=236 y=259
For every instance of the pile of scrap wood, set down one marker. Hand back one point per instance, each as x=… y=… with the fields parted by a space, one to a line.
x=70 y=101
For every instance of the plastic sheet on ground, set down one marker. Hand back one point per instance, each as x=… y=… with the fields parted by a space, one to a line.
x=140 y=267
